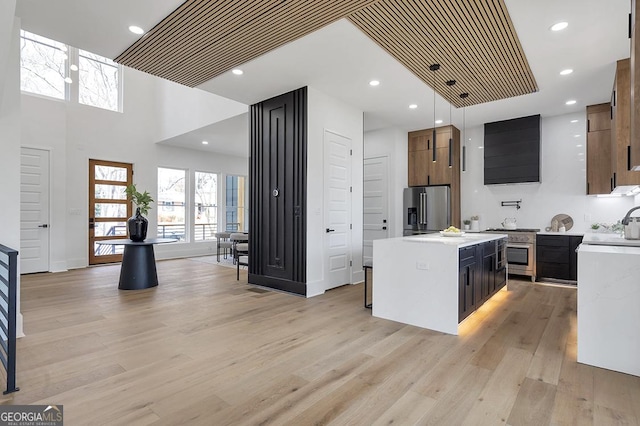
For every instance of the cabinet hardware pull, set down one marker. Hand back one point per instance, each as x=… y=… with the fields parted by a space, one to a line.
x=629 y=157
x=450 y=152
x=434 y=145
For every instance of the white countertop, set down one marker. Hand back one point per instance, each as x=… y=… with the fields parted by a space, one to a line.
x=465 y=240
x=570 y=233
x=608 y=239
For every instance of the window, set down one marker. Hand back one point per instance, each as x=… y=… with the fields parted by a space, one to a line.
x=98 y=81
x=43 y=66
x=235 y=202
x=171 y=203
x=206 y=206
x=53 y=69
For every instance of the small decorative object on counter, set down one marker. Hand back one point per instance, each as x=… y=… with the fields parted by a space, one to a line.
x=467 y=224
x=475 y=223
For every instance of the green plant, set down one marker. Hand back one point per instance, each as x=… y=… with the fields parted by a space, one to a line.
x=141 y=200
x=466 y=222
x=595 y=226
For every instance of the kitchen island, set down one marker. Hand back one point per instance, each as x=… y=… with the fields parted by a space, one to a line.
x=433 y=281
x=608 y=300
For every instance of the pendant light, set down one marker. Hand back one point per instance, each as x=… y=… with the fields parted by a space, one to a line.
x=464 y=97
x=450 y=83
x=434 y=68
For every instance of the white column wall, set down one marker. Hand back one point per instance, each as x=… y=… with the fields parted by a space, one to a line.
x=10 y=135
x=327 y=113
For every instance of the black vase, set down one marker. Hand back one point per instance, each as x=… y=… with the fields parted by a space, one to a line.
x=137 y=227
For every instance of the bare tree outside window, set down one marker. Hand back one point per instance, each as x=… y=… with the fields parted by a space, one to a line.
x=206 y=206
x=171 y=203
x=98 y=85
x=42 y=65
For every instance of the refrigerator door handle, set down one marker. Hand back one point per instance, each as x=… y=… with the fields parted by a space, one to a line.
x=423 y=208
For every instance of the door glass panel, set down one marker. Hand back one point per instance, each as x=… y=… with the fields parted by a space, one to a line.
x=118 y=174
x=107 y=249
x=108 y=229
x=110 y=210
x=110 y=192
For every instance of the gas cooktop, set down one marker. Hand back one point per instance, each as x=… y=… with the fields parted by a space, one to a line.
x=512 y=230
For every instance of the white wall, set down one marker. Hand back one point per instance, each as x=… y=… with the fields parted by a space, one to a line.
x=10 y=135
x=76 y=133
x=326 y=113
x=562 y=189
x=391 y=143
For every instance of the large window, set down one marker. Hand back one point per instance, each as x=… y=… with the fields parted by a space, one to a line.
x=98 y=83
x=206 y=206
x=43 y=66
x=171 y=203
x=235 y=203
x=53 y=69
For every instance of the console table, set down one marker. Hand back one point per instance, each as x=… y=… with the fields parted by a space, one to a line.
x=138 y=270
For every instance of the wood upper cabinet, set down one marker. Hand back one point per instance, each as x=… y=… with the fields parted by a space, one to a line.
x=622 y=175
x=599 y=172
x=635 y=86
x=423 y=171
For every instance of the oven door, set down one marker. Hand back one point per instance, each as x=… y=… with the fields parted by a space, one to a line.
x=518 y=254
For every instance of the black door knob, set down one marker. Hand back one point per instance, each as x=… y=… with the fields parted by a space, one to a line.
x=330 y=230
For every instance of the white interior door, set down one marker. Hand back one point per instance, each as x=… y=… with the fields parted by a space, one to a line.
x=337 y=195
x=34 y=210
x=376 y=204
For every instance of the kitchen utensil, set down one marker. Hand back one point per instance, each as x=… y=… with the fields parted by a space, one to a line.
x=509 y=223
x=631 y=225
x=562 y=219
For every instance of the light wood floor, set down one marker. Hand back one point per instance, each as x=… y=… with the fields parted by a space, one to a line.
x=205 y=349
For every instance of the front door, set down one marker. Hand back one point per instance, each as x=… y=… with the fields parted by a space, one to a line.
x=337 y=195
x=34 y=210
x=376 y=204
x=108 y=208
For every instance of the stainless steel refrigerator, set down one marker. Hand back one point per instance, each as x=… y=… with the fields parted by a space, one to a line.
x=426 y=209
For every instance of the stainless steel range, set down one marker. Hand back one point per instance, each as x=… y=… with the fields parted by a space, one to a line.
x=521 y=250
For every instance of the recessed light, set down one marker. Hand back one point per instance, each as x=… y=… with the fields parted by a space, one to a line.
x=136 y=30
x=579 y=145
x=413 y=106
x=237 y=71
x=74 y=67
x=566 y=72
x=559 y=26
x=374 y=83
x=438 y=121
x=205 y=143
x=576 y=136
x=68 y=80
x=571 y=102
x=481 y=147
x=574 y=121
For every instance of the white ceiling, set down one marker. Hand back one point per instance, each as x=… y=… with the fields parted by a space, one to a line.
x=339 y=60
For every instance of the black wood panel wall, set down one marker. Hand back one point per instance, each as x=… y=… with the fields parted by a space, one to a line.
x=277 y=200
x=512 y=151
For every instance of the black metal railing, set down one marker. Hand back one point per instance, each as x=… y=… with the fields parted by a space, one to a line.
x=8 y=291
x=172 y=231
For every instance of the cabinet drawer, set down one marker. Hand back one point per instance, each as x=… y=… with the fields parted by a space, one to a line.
x=467 y=253
x=553 y=254
x=552 y=240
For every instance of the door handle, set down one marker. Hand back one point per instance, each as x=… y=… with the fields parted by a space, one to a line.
x=43 y=226
x=384 y=227
x=330 y=230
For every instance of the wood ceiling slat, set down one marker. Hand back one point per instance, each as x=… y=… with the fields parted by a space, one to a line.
x=474 y=40
x=260 y=25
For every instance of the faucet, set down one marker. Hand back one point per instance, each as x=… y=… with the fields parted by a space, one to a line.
x=625 y=221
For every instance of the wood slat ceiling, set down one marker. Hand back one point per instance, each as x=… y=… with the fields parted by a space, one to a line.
x=473 y=40
x=203 y=38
